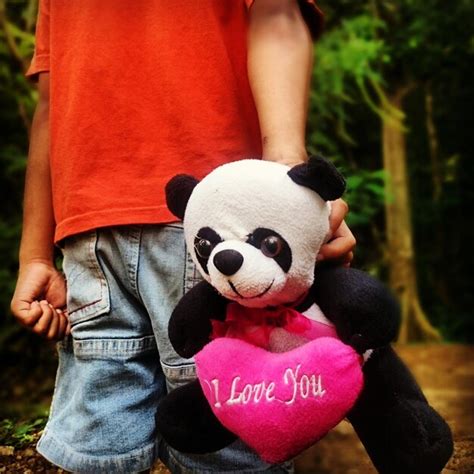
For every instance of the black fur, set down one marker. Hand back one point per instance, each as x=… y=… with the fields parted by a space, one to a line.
x=401 y=432
x=213 y=237
x=190 y=324
x=364 y=312
x=178 y=191
x=321 y=176
x=284 y=258
x=186 y=421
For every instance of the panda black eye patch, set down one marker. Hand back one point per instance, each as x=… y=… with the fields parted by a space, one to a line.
x=204 y=243
x=272 y=245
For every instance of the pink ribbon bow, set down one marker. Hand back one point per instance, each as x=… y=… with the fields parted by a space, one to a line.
x=254 y=325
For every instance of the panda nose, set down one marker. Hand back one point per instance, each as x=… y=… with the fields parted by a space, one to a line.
x=228 y=261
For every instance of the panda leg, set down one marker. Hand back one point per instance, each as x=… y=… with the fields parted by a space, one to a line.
x=187 y=423
x=399 y=429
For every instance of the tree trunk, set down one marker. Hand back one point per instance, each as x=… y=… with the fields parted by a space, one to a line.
x=439 y=281
x=415 y=324
x=433 y=144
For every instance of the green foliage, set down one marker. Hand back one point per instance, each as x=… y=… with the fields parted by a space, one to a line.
x=347 y=66
x=425 y=37
x=20 y=434
x=346 y=62
x=365 y=196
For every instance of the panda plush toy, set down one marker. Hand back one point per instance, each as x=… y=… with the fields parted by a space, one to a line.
x=285 y=348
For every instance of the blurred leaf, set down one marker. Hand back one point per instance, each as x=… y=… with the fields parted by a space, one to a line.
x=20 y=434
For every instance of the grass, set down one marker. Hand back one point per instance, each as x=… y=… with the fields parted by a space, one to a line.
x=20 y=434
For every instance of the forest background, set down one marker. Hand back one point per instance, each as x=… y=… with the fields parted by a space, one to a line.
x=392 y=104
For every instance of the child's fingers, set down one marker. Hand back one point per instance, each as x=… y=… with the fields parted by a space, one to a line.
x=339 y=209
x=44 y=322
x=348 y=259
x=341 y=246
x=63 y=322
x=68 y=325
x=26 y=313
x=54 y=326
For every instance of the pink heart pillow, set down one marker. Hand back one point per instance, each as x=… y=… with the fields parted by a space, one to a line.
x=280 y=404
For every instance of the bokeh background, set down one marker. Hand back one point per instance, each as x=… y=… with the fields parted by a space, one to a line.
x=392 y=104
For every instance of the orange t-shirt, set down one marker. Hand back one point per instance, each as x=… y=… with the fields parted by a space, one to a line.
x=140 y=91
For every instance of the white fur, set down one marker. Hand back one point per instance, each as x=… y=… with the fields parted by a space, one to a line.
x=238 y=197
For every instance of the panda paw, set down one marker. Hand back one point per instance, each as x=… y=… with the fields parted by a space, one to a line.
x=421 y=439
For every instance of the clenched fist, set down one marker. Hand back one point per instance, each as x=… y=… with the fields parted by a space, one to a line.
x=39 y=300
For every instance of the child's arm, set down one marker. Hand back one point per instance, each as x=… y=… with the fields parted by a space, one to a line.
x=280 y=53
x=40 y=289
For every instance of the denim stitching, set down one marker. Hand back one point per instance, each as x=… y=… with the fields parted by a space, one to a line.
x=134 y=238
x=179 y=373
x=116 y=347
x=61 y=345
x=97 y=269
x=178 y=467
x=137 y=460
x=85 y=306
x=139 y=251
x=93 y=265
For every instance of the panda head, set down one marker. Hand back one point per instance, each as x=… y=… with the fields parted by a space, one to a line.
x=254 y=227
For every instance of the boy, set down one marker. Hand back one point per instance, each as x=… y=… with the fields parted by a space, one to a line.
x=132 y=93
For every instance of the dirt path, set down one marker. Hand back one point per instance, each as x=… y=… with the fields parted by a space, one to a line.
x=446 y=373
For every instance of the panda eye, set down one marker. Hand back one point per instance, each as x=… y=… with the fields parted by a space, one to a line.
x=271 y=246
x=203 y=248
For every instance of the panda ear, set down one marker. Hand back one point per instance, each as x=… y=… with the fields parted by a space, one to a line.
x=178 y=191
x=321 y=176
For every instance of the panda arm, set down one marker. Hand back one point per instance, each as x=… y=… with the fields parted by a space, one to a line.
x=364 y=312
x=190 y=323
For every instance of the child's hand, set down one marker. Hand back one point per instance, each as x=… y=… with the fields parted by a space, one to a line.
x=342 y=241
x=39 y=300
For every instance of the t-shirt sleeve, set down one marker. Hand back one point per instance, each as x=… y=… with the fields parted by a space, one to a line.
x=40 y=61
x=313 y=16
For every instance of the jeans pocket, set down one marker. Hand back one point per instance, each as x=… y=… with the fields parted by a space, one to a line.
x=178 y=375
x=87 y=288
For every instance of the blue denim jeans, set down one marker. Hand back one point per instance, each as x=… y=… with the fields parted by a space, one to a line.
x=123 y=284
